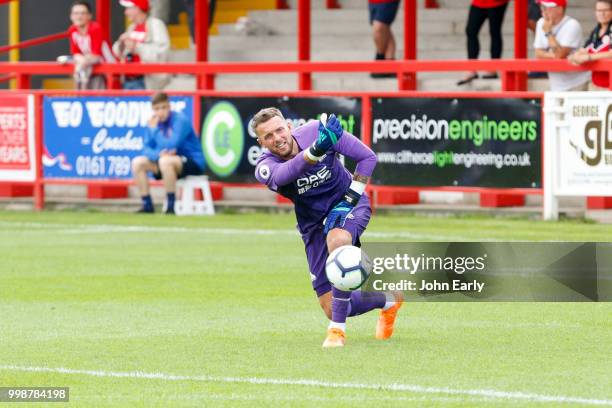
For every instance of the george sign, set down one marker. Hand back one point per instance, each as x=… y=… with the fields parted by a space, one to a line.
x=578 y=146
x=467 y=142
x=97 y=137
x=17 y=144
x=584 y=162
x=229 y=143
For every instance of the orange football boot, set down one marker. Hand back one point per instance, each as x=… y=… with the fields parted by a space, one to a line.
x=384 y=326
x=335 y=338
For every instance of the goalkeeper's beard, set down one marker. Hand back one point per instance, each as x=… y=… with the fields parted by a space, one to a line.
x=286 y=151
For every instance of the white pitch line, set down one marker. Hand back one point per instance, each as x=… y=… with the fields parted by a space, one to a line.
x=487 y=393
x=106 y=228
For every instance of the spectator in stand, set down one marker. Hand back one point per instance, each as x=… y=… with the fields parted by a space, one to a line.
x=89 y=46
x=598 y=44
x=557 y=36
x=481 y=10
x=382 y=14
x=171 y=151
x=146 y=40
x=533 y=15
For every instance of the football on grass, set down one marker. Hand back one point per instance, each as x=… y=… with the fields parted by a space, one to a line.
x=347 y=268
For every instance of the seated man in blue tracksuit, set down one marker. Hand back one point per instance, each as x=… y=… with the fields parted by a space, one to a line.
x=171 y=151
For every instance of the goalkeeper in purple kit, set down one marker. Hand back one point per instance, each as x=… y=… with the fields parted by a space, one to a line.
x=331 y=208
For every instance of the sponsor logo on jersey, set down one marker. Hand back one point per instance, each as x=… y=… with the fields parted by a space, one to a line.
x=264 y=171
x=308 y=182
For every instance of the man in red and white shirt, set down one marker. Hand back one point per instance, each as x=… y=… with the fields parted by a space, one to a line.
x=88 y=46
x=146 y=40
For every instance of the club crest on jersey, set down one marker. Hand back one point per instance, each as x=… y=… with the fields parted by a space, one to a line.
x=264 y=171
x=314 y=180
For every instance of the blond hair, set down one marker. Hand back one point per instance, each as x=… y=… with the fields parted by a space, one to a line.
x=265 y=115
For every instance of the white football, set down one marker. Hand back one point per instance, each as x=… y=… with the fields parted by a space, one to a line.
x=347 y=268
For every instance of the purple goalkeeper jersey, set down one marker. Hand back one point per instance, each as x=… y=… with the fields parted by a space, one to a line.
x=314 y=188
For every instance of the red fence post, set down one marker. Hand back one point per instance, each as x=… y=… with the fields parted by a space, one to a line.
x=282 y=4
x=408 y=80
x=23 y=81
x=366 y=120
x=431 y=4
x=39 y=187
x=304 y=78
x=206 y=81
x=332 y=4
x=520 y=41
x=103 y=15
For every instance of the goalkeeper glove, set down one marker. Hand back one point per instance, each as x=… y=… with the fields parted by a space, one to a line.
x=330 y=131
x=337 y=216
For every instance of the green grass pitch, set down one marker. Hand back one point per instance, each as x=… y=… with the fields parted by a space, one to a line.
x=158 y=311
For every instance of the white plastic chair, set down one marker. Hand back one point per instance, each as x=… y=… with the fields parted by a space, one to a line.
x=186 y=203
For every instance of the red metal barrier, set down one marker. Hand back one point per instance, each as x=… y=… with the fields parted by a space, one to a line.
x=383 y=195
x=304 y=79
x=35 y=41
x=5 y=78
x=510 y=69
x=408 y=81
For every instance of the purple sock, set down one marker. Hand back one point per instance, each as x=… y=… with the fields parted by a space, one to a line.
x=363 y=302
x=340 y=305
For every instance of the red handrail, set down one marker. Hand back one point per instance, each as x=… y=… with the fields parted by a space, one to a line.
x=5 y=78
x=510 y=69
x=34 y=41
x=201 y=68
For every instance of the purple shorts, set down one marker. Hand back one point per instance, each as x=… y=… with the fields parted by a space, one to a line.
x=316 y=245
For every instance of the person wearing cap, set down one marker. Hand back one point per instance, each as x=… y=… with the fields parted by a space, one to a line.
x=557 y=36
x=146 y=40
x=599 y=44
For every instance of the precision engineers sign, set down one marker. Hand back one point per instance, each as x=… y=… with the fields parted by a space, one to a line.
x=470 y=142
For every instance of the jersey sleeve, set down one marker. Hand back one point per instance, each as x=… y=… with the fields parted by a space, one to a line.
x=96 y=37
x=150 y=148
x=355 y=149
x=181 y=129
x=263 y=173
x=540 y=41
x=74 y=48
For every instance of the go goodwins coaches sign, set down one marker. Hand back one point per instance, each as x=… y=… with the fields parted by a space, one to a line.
x=468 y=142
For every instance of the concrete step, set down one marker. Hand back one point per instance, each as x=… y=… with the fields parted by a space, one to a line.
x=340 y=42
x=347 y=16
x=365 y=54
x=458 y=4
x=347 y=82
x=346 y=49
x=444 y=4
x=361 y=29
x=245 y=4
